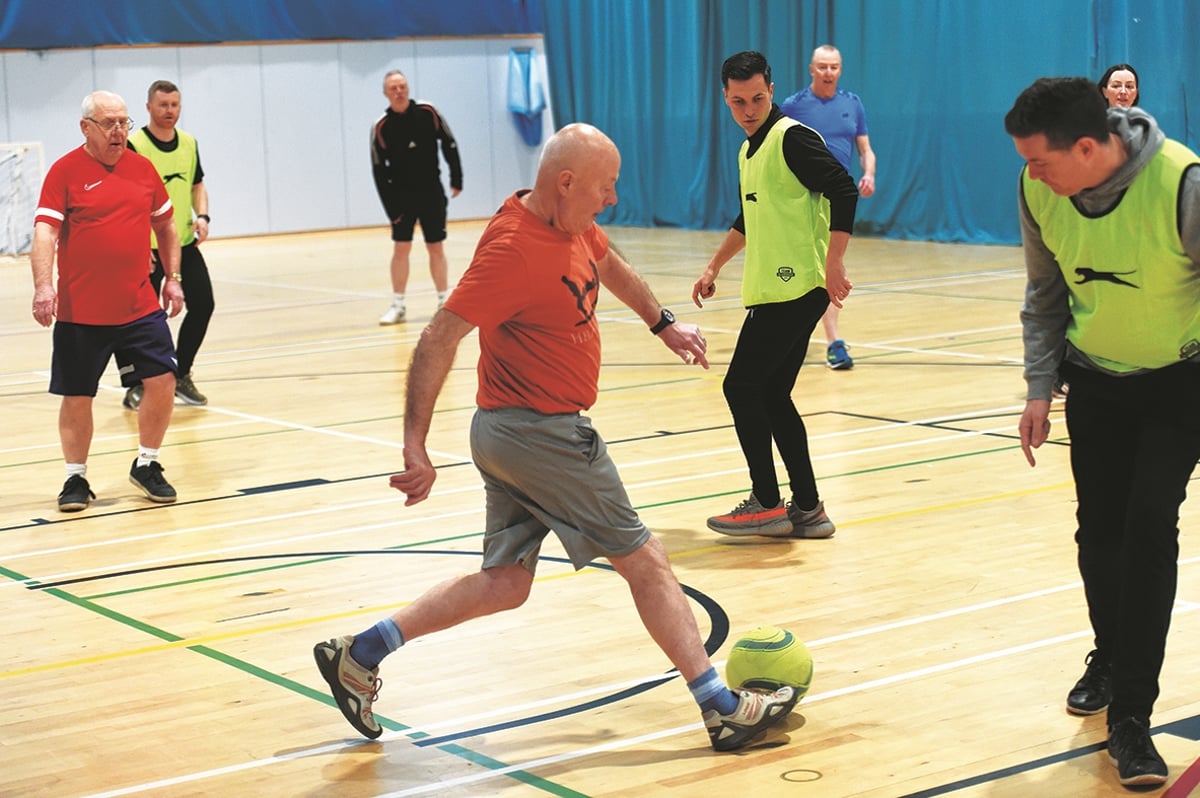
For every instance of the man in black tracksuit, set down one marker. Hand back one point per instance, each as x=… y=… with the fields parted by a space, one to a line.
x=404 y=163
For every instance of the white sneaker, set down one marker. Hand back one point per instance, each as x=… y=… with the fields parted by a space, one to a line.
x=755 y=712
x=394 y=315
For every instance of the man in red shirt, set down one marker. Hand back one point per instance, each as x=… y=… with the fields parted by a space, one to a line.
x=97 y=207
x=532 y=290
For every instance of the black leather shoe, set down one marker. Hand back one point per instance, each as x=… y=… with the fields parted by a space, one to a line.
x=1093 y=692
x=1132 y=751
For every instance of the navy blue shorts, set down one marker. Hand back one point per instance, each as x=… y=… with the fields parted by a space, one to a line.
x=82 y=352
x=431 y=215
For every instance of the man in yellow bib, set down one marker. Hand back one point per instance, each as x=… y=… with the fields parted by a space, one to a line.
x=1110 y=221
x=797 y=213
x=176 y=156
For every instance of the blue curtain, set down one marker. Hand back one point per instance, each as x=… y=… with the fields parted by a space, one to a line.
x=936 y=76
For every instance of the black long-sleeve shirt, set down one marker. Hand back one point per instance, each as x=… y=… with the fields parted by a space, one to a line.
x=404 y=157
x=806 y=155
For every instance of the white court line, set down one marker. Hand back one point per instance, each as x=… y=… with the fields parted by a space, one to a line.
x=841 y=453
x=881 y=426
x=473 y=487
x=942 y=352
x=198 y=556
x=986 y=276
x=955 y=334
x=615 y=745
x=126 y=436
x=303 y=288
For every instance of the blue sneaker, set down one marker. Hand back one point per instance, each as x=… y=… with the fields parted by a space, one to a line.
x=837 y=358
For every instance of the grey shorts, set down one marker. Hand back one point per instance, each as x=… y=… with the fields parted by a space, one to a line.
x=550 y=472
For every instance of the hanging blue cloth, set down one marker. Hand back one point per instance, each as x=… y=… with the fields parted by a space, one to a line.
x=526 y=98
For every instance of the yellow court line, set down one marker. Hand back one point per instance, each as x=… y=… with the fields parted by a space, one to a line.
x=390 y=608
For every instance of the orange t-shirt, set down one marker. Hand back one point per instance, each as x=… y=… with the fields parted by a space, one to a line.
x=532 y=292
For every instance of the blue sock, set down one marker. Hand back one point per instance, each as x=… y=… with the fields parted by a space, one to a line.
x=711 y=693
x=370 y=647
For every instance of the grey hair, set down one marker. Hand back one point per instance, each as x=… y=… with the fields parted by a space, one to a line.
x=89 y=102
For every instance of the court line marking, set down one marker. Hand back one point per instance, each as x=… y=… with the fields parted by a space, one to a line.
x=476 y=486
x=613 y=745
x=598 y=748
x=423 y=519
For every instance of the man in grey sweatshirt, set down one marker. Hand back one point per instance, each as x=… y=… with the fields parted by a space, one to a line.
x=1110 y=222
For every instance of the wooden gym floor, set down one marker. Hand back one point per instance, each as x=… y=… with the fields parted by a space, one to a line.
x=166 y=651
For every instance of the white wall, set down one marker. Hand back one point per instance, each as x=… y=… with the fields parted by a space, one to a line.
x=284 y=128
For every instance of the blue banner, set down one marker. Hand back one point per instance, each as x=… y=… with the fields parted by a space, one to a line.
x=48 y=24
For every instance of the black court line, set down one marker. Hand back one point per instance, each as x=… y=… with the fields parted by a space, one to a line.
x=301 y=484
x=1188 y=728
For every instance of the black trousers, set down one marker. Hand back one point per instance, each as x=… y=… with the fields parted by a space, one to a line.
x=758 y=387
x=1134 y=444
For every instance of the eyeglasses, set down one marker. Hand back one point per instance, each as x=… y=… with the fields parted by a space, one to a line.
x=112 y=124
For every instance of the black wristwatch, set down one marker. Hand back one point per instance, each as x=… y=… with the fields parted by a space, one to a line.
x=204 y=216
x=668 y=318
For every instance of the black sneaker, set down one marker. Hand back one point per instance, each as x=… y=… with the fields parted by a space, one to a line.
x=133 y=397
x=1131 y=750
x=185 y=390
x=150 y=479
x=1093 y=692
x=76 y=494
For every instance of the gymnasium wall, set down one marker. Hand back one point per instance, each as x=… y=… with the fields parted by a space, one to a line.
x=284 y=129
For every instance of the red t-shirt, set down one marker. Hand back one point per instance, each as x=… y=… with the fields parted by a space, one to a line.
x=532 y=292
x=104 y=235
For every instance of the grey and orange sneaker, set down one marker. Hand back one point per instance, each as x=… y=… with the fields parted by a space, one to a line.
x=751 y=518
x=354 y=687
x=756 y=711
x=812 y=523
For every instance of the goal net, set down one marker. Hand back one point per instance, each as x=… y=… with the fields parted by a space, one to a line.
x=21 y=168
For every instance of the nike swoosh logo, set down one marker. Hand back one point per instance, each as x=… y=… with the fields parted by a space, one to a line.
x=87 y=187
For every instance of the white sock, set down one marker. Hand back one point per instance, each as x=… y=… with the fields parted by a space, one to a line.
x=398 y=300
x=146 y=456
x=76 y=470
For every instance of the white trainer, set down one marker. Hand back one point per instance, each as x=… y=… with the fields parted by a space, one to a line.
x=394 y=315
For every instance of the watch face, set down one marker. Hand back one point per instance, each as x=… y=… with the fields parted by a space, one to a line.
x=668 y=315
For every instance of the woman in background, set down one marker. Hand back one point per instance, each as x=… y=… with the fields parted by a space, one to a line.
x=1119 y=86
